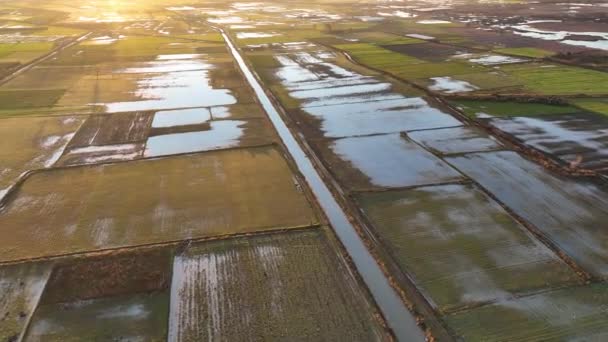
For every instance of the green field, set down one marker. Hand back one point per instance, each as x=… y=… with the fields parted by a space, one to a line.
x=507 y=108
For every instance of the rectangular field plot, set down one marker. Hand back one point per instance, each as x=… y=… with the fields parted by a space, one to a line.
x=574 y=314
x=272 y=287
x=219 y=134
x=461 y=247
x=20 y=290
x=141 y=317
x=113 y=129
x=342 y=102
x=455 y=140
x=559 y=80
x=572 y=138
x=150 y=201
x=109 y=138
x=385 y=161
x=106 y=298
x=571 y=213
x=32 y=143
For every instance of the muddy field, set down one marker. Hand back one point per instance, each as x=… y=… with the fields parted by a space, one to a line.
x=461 y=247
x=86 y=208
x=277 y=286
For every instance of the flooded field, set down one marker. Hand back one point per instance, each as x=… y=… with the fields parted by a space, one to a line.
x=580 y=138
x=461 y=247
x=115 y=297
x=385 y=161
x=570 y=213
x=575 y=314
x=324 y=170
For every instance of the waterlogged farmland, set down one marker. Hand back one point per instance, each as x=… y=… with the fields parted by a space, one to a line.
x=318 y=170
x=129 y=144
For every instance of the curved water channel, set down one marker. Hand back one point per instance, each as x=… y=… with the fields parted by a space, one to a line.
x=400 y=320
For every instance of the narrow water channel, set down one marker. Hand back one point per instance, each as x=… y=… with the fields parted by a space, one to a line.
x=400 y=320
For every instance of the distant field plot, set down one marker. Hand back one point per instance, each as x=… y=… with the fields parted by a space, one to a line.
x=335 y=100
x=381 y=38
x=577 y=313
x=580 y=138
x=29 y=99
x=32 y=143
x=378 y=57
x=163 y=81
x=484 y=108
x=568 y=212
x=48 y=78
x=431 y=52
x=291 y=35
x=23 y=52
x=462 y=248
x=559 y=80
x=402 y=65
x=455 y=140
x=82 y=55
x=279 y=285
x=490 y=81
x=89 y=208
x=526 y=52
x=20 y=289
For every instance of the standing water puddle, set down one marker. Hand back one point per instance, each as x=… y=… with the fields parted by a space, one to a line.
x=396 y=313
x=169 y=82
x=349 y=104
x=222 y=134
x=171 y=118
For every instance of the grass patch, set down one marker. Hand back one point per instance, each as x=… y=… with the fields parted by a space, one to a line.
x=498 y=108
x=60 y=31
x=526 y=52
x=382 y=38
x=376 y=56
x=594 y=105
x=263 y=61
x=140 y=46
x=20 y=99
x=402 y=65
x=559 y=80
x=82 y=55
x=490 y=80
x=26 y=47
x=428 y=70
